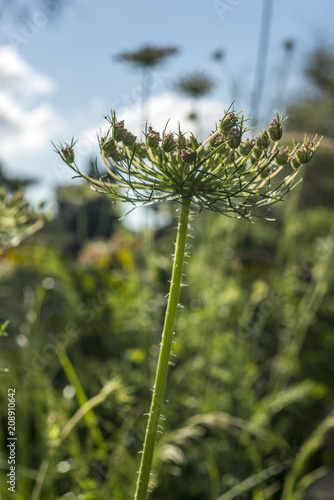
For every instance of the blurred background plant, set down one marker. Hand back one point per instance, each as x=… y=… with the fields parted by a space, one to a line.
x=147 y=58
x=17 y=219
x=195 y=86
x=243 y=400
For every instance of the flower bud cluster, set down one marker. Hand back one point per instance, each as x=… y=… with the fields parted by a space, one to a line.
x=263 y=141
x=229 y=121
x=169 y=144
x=152 y=139
x=224 y=173
x=129 y=140
x=181 y=141
x=108 y=146
x=67 y=154
x=217 y=139
x=188 y=155
x=282 y=157
x=303 y=154
x=233 y=137
x=246 y=147
x=275 y=129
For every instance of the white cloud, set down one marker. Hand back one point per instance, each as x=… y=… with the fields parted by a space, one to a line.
x=17 y=75
x=27 y=119
x=25 y=130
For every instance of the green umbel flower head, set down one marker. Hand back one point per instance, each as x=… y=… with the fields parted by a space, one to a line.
x=223 y=174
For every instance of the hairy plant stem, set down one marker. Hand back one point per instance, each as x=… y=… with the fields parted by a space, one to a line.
x=164 y=355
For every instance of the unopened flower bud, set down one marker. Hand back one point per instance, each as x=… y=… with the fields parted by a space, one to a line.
x=234 y=138
x=181 y=141
x=295 y=163
x=275 y=130
x=192 y=142
x=119 y=132
x=152 y=139
x=265 y=173
x=217 y=140
x=169 y=144
x=140 y=150
x=302 y=155
x=282 y=157
x=129 y=140
x=188 y=155
x=305 y=152
x=246 y=147
x=263 y=141
x=68 y=154
x=108 y=146
x=116 y=155
x=227 y=123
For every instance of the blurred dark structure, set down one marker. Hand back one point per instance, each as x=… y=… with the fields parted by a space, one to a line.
x=146 y=59
x=84 y=215
x=12 y=184
x=195 y=86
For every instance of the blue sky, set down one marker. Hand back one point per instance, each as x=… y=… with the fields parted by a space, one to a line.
x=59 y=76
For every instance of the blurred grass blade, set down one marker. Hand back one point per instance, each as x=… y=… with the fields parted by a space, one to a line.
x=82 y=399
x=252 y=481
x=310 y=447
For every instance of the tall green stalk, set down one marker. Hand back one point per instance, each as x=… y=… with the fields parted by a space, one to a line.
x=165 y=350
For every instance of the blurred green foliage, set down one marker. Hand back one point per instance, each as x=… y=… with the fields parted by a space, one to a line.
x=17 y=219
x=252 y=370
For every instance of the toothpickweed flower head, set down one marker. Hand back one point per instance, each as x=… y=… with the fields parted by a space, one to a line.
x=119 y=132
x=129 y=140
x=188 y=155
x=67 y=154
x=282 y=157
x=233 y=137
x=305 y=152
x=275 y=129
x=217 y=139
x=263 y=141
x=223 y=174
x=246 y=147
x=107 y=146
x=181 y=141
x=294 y=163
x=229 y=121
x=152 y=139
x=169 y=143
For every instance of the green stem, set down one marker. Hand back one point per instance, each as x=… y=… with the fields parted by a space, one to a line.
x=165 y=350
